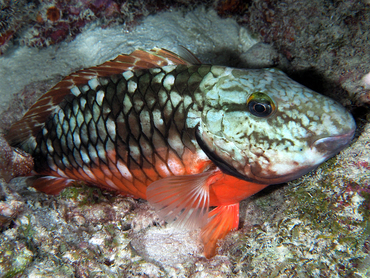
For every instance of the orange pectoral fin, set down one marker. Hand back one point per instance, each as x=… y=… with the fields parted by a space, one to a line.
x=183 y=200
x=223 y=219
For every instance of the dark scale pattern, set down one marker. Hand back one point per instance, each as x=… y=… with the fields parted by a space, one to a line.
x=112 y=123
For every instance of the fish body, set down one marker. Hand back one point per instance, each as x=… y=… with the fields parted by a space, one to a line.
x=182 y=135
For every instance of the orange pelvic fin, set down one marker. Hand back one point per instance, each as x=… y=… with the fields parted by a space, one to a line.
x=183 y=200
x=222 y=220
x=50 y=185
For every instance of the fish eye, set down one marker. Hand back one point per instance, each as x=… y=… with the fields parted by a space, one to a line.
x=260 y=104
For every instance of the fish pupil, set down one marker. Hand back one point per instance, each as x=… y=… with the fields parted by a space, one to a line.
x=260 y=109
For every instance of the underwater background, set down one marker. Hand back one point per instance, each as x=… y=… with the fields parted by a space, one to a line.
x=316 y=226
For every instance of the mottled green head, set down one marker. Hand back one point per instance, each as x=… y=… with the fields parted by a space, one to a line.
x=262 y=126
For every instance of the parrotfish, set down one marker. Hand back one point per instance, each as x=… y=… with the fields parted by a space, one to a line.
x=192 y=139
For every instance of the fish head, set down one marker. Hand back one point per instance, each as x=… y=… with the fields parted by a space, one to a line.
x=261 y=126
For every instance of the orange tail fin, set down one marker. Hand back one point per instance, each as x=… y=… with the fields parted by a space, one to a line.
x=223 y=219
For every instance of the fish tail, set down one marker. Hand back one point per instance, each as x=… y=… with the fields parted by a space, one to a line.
x=223 y=219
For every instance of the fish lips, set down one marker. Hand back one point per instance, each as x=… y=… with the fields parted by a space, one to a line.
x=329 y=146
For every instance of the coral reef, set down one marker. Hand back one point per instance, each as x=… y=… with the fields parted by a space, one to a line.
x=316 y=226
x=232 y=7
x=44 y=23
x=330 y=38
x=14 y=162
x=13 y=16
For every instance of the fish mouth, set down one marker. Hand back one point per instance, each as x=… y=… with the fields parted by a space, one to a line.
x=333 y=144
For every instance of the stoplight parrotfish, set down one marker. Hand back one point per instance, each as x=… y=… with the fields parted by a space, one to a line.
x=192 y=139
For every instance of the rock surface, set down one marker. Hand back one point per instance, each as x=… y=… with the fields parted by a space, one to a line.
x=316 y=226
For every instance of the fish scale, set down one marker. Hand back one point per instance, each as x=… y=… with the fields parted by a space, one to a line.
x=145 y=129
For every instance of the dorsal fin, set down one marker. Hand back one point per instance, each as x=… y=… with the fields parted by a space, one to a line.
x=187 y=55
x=26 y=129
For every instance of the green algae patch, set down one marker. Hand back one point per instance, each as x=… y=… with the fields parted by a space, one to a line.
x=316 y=206
x=14 y=259
x=85 y=195
x=333 y=217
x=26 y=232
